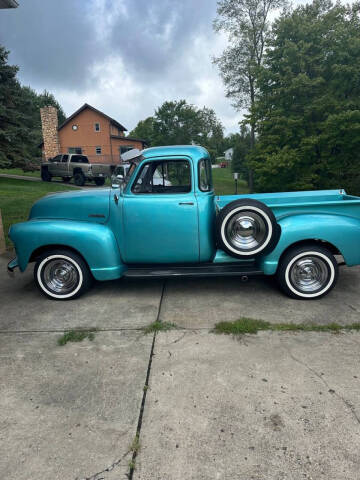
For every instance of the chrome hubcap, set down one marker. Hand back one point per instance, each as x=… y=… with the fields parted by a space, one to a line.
x=60 y=276
x=309 y=274
x=246 y=230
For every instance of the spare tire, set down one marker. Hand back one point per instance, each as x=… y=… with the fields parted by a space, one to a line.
x=247 y=228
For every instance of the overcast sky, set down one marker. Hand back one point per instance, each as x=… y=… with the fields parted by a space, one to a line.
x=124 y=57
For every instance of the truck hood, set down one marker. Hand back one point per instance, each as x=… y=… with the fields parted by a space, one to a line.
x=82 y=205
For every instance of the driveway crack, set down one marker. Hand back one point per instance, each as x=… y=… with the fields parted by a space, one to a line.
x=146 y=387
x=98 y=475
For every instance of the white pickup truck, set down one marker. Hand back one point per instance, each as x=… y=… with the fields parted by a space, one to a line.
x=68 y=166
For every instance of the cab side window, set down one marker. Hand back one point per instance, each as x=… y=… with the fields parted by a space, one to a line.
x=166 y=176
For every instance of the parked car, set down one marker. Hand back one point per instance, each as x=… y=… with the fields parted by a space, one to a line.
x=141 y=228
x=68 y=166
x=223 y=165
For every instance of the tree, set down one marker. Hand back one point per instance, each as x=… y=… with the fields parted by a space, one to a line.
x=10 y=150
x=308 y=110
x=246 y=22
x=180 y=123
x=242 y=147
x=20 y=124
x=144 y=130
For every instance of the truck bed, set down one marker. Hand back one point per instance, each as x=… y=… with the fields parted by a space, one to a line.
x=289 y=203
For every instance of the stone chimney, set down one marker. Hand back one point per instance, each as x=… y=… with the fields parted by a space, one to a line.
x=49 y=123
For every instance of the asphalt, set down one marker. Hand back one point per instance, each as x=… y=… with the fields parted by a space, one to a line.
x=269 y=406
x=37 y=179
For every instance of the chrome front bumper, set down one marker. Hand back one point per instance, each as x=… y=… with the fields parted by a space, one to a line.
x=11 y=267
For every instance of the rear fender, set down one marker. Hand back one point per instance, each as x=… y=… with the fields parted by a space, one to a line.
x=341 y=231
x=94 y=242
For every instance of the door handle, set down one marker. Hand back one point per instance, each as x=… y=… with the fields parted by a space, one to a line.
x=186 y=203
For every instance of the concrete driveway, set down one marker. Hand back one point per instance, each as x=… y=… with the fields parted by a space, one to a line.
x=267 y=406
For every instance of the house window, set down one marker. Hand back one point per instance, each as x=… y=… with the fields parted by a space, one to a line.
x=98 y=150
x=97 y=127
x=77 y=150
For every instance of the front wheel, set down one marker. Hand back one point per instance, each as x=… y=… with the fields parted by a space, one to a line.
x=79 y=179
x=62 y=274
x=307 y=272
x=45 y=175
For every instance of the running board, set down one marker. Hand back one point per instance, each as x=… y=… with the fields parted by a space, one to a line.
x=193 y=271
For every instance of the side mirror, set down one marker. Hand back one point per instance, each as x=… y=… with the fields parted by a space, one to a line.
x=117 y=181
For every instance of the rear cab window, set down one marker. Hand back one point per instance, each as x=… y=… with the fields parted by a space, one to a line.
x=79 y=159
x=166 y=176
x=205 y=175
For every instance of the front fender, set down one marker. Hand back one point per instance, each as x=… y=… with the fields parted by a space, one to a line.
x=341 y=231
x=94 y=241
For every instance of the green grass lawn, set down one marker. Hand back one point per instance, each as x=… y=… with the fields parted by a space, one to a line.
x=224 y=182
x=17 y=197
x=18 y=171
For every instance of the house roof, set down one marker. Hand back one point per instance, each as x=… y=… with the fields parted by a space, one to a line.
x=84 y=107
x=134 y=139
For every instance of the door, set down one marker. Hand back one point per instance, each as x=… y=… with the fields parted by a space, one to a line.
x=55 y=166
x=161 y=214
x=63 y=166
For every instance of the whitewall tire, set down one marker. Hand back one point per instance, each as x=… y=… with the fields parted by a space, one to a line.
x=247 y=228
x=62 y=274
x=307 y=272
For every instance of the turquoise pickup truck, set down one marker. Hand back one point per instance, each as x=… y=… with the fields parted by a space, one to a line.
x=177 y=226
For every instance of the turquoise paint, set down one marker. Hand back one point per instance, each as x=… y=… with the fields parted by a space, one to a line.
x=342 y=231
x=223 y=257
x=160 y=228
x=114 y=227
x=81 y=205
x=95 y=242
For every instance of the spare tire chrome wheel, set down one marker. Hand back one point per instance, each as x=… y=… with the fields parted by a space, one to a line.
x=62 y=275
x=247 y=228
x=307 y=272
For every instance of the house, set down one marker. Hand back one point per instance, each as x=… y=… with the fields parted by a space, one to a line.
x=88 y=131
x=228 y=154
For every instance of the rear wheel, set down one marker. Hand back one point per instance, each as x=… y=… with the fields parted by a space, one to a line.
x=79 y=179
x=62 y=274
x=45 y=175
x=307 y=272
x=99 y=181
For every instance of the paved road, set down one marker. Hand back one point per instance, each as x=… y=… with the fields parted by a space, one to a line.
x=275 y=405
x=37 y=179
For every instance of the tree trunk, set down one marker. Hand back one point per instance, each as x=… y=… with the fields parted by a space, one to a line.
x=252 y=134
x=252 y=145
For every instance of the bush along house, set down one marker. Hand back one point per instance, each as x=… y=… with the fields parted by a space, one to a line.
x=89 y=132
